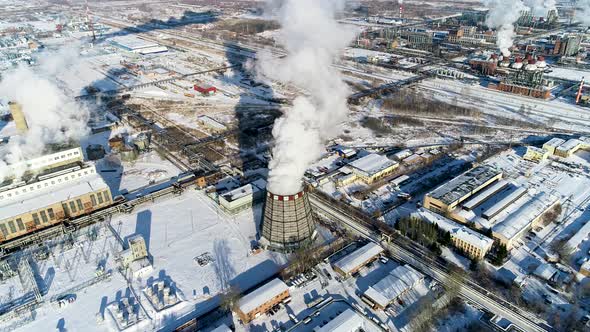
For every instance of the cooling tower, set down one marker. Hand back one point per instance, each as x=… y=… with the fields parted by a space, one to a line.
x=18 y=116
x=288 y=222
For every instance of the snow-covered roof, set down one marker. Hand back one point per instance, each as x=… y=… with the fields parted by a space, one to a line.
x=45 y=197
x=585 y=266
x=517 y=220
x=580 y=236
x=153 y=50
x=464 y=184
x=261 y=295
x=208 y=121
x=358 y=257
x=554 y=142
x=372 y=163
x=493 y=210
x=132 y=42
x=464 y=233
x=475 y=239
x=569 y=145
x=246 y=190
x=484 y=195
x=222 y=328
x=403 y=154
x=545 y=271
x=346 y=321
x=401 y=279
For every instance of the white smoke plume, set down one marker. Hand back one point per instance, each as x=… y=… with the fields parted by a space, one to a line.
x=313 y=40
x=540 y=8
x=52 y=116
x=582 y=14
x=502 y=16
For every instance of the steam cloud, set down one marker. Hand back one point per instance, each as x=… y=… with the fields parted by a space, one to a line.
x=502 y=15
x=313 y=39
x=52 y=116
x=540 y=8
x=583 y=12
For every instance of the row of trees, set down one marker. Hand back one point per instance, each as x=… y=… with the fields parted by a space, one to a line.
x=425 y=233
x=411 y=102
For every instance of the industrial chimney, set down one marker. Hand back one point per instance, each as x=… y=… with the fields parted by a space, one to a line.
x=288 y=222
x=18 y=116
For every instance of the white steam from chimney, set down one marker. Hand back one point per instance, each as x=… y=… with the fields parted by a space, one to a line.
x=502 y=16
x=52 y=116
x=582 y=13
x=540 y=8
x=313 y=40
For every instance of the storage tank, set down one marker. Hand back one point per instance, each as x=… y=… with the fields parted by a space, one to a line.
x=288 y=222
x=541 y=62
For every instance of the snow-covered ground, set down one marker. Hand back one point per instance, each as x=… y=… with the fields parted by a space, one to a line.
x=175 y=231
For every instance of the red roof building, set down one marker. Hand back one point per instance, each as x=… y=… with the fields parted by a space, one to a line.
x=205 y=89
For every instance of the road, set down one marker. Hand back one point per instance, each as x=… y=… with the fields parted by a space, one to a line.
x=418 y=258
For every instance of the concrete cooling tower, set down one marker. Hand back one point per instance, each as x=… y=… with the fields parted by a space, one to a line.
x=288 y=222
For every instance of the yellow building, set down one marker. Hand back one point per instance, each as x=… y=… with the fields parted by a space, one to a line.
x=26 y=207
x=471 y=243
x=585 y=269
x=552 y=144
x=564 y=149
x=18 y=116
x=372 y=167
x=535 y=154
x=446 y=197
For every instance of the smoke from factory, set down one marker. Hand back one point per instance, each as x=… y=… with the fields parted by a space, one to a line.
x=540 y=8
x=313 y=39
x=52 y=117
x=502 y=16
x=582 y=13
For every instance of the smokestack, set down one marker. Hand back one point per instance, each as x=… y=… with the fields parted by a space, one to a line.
x=288 y=222
x=579 y=95
x=18 y=116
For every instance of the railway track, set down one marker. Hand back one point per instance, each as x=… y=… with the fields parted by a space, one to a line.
x=409 y=252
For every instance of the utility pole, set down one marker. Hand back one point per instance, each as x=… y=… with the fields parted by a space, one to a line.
x=89 y=22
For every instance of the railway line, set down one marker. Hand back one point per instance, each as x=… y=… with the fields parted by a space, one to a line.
x=406 y=251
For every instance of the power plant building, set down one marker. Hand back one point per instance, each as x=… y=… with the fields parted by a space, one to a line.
x=54 y=187
x=242 y=198
x=288 y=222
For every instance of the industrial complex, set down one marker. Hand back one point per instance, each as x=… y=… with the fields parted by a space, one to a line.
x=295 y=165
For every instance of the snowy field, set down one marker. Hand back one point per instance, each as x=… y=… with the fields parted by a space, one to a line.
x=176 y=230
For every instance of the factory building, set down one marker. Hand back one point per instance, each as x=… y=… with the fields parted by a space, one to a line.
x=50 y=198
x=521 y=218
x=353 y=262
x=288 y=222
x=552 y=144
x=211 y=124
x=389 y=289
x=349 y=320
x=242 y=198
x=446 y=197
x=63 y=155
x=562 y=148
x=262 y=300
x=372 y=167
x=471 y=243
